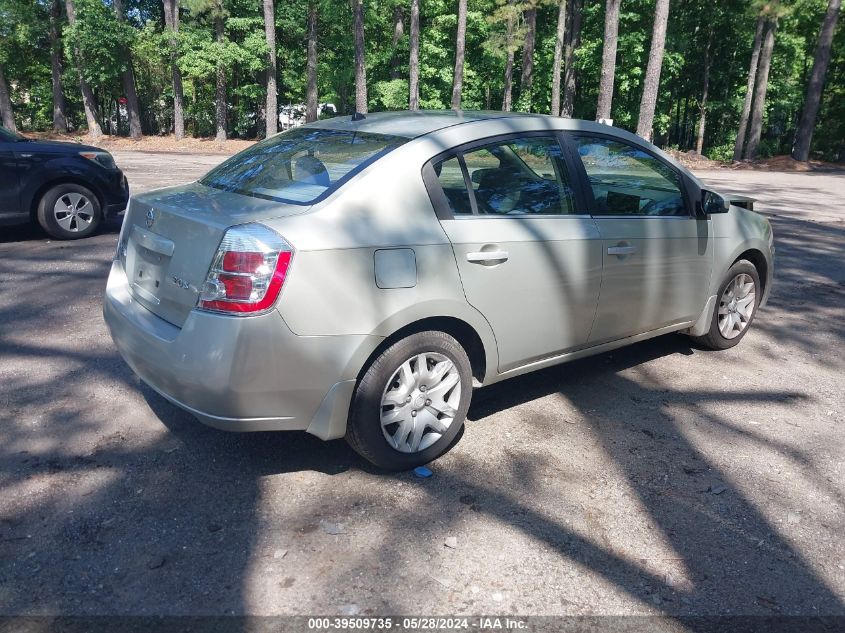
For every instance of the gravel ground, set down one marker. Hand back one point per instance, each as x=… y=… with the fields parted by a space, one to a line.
x=658 y=479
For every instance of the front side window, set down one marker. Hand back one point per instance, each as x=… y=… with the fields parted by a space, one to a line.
x=628 y=181
x=300 y=165
x=514 y=177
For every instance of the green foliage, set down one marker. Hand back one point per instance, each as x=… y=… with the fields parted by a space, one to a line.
x=24 y=56
x=724 y=152
x=391 y=94
x=103 y=41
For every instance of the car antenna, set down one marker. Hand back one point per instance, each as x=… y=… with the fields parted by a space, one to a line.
x=359 y=116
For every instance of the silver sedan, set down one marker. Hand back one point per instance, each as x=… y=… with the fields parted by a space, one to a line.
x=359 y=276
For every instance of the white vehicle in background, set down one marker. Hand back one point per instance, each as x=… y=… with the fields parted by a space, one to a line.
x=327 y=110
x=293 y=115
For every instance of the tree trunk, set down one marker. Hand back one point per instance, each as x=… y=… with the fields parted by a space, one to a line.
x=311 y=103
x=804 y=135
x=89 y=102
x=398 y=33
x=608 y=59
x=507 y=98
x=702 y=117
x=360 y=60
x=527 y=80
x=557 y=64
x=749 y=88
x=127 y=78
x=220 y=82
x=573 y=41
x=59 y=118
x=171 y=21
x=460 y=48
x=760 y=90
x=272 y=113
x=414 y=60
x=651 y=86
x=675 y=126
x=6 y=113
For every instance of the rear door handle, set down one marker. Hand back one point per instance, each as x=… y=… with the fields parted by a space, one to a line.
x=621 y=250
x=486 y=257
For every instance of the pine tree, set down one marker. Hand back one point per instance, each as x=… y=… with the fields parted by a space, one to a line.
x=804 y=135
x=761 y=85
x=59 y=106
x=557 y=64
x=749 y=89
x=608 y=63
x=414 y=58
x=92 y=114
x=272 y=109
x=651 y=86
x=360 y=60
x=460 y=51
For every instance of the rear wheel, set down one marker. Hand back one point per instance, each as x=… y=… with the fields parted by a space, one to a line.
x=411 y=403
x=739 y=296
x=69 y=212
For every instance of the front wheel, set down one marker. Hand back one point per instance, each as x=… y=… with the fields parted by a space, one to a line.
x=739 y=296
x=69 y=212
x=410 y=404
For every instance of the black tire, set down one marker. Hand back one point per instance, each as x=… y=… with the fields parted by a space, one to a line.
x=364 y=432
x=80 y=227
x=714 y=338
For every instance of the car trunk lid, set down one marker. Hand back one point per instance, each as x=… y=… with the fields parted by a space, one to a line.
x=170 y=236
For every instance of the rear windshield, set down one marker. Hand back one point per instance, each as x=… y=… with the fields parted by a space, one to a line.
x=300 y=166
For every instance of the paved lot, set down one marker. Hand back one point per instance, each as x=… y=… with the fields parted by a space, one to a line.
x=657 y=479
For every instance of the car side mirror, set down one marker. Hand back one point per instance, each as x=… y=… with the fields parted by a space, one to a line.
x=712 y=202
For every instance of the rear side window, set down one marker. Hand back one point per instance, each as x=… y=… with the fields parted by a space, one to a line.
x=302 y=165
x=514 y=177
x=628 y=181
x=450 y=175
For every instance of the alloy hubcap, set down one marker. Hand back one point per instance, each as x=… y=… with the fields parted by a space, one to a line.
x=74 y=212
x=420 y=402
x=736 y=306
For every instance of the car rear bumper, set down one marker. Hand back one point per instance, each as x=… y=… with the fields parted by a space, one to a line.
x=238 y=373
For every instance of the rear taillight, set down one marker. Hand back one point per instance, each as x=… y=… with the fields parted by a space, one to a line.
x=248 y=271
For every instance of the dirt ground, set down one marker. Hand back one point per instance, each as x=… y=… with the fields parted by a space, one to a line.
x=168 y=144
x=658 y=479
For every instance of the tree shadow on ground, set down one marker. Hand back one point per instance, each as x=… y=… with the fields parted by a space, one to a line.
x=174 y=520
x=31 y=231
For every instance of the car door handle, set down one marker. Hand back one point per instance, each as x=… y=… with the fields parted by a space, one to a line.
x=621 y=250
x=485 y=257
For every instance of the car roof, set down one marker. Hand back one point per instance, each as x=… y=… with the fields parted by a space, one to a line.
x=445 y=128
x=413 y=123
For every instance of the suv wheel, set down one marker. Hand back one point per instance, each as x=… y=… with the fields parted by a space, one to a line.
x=69 y=212
x=411 y=403
x=739 y=296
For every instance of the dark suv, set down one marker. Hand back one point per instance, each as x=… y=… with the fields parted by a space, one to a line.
x=69 y=188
